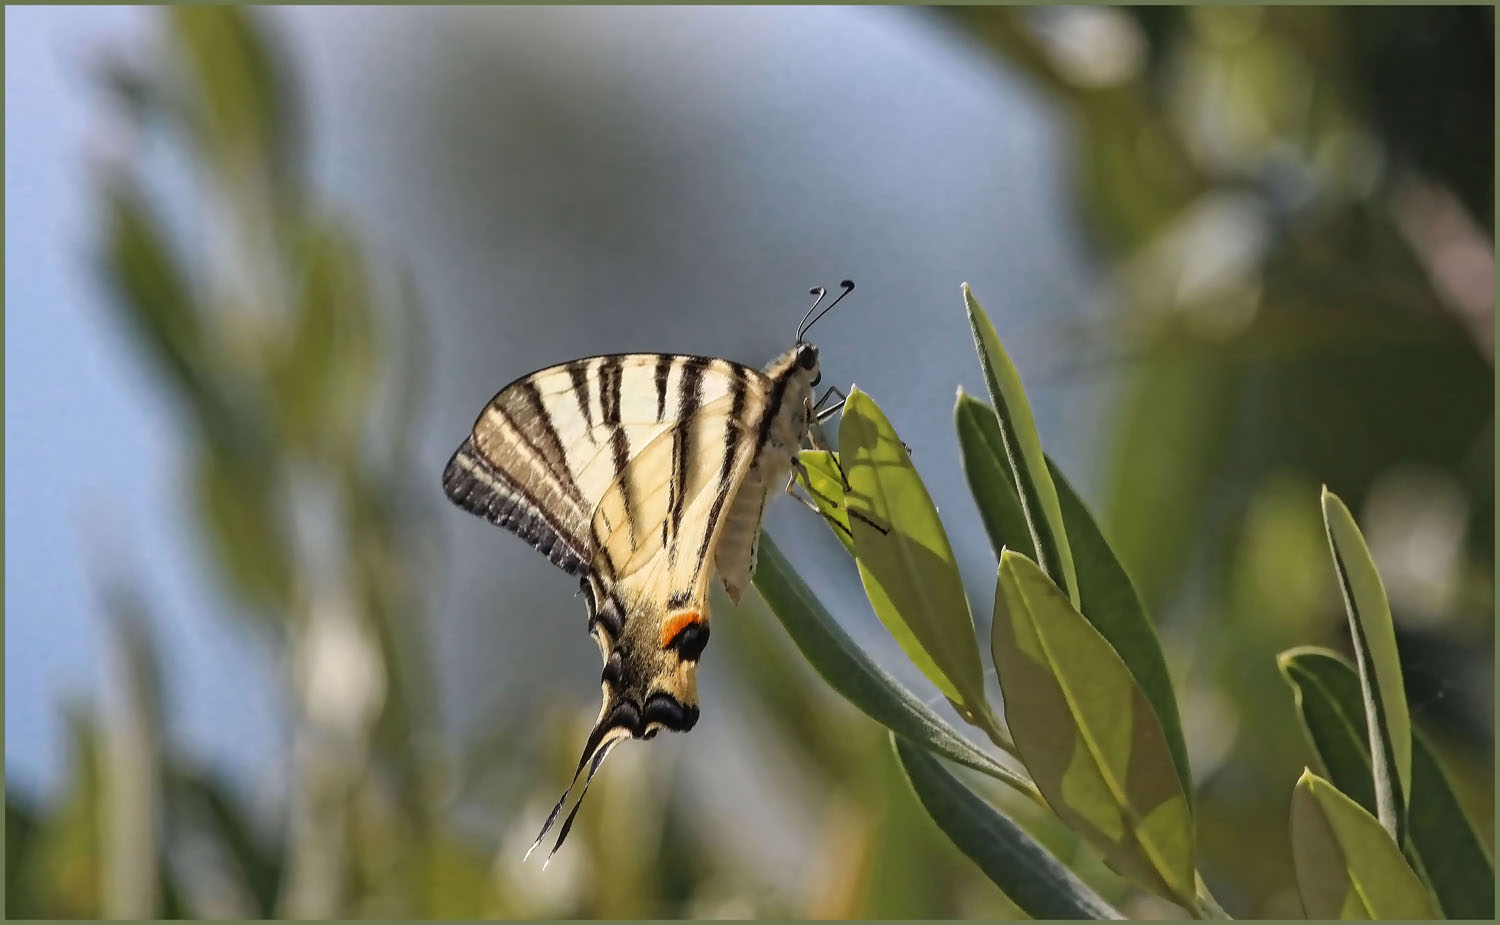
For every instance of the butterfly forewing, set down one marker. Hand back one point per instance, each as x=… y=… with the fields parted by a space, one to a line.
x=547 y=446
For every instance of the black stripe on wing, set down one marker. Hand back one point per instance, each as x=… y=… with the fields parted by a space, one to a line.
x=480 y=488
x=733 y=432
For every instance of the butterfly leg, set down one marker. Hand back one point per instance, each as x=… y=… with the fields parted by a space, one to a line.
x=823 y=414
x=809 y=503
x=819 y=439
x=799 y=469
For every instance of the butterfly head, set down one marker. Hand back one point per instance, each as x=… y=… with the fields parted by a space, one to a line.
x=806 y=358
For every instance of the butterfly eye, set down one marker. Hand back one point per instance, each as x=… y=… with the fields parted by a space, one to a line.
x=807 y=356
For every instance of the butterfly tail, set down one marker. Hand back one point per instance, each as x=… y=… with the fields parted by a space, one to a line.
x=618 y=721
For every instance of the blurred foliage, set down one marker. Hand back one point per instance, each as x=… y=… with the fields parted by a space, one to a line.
x=1296 y=205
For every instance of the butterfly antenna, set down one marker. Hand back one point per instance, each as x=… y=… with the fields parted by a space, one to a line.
x=806 y=326
x=820 y=292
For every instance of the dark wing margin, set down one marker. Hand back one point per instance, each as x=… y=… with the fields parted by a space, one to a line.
x=478 y=487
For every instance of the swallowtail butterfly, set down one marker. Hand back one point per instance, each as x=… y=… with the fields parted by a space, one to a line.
x=642 y=474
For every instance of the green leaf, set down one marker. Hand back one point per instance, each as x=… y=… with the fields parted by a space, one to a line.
x=1023 y=452
x=848 y=670
x=66 y=875
x=1452 y=857
x=236 y=501
x=1331 y=708
x=323 y=374
x=1374 y=636
x=1023 y=870
x=1348 y=866
x=1087 y=733
x=1111 y=604
x=826 y=489
x=1109 y=599
x=241 y=115
x=149 y=288
x=1446 y=849
x=132 y=791
x=909 y=572
x=989 y=476
x=201 y=804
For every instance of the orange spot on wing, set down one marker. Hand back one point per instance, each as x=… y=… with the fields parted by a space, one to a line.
x=676 y=623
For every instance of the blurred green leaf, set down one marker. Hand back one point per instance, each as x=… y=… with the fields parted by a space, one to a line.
x=824 y=484
x=150 y=289
x=22 y=824
x=1023 y=451
x=1379 y=664
x=324 y=375
x=848 y=670
x=988 y=472
x=65 y=874
x=1450 y=855
x=242 y=113
x=908 y=571
x=1088 y=734
x=199 y=803
x=1026 y=872
x=133 y=787
x=1109 y=599
x=238 y=504
x=1347 y=865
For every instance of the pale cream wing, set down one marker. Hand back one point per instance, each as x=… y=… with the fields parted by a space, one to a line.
x=657 y=526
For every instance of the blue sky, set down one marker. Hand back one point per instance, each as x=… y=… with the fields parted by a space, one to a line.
x=838 y=142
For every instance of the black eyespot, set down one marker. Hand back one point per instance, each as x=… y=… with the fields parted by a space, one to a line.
x=663 y=708
x=807 y=356
x=614 y=670
x=689 y=641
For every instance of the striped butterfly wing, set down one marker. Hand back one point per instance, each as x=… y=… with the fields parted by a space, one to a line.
x=622 y=469
x=546 y=448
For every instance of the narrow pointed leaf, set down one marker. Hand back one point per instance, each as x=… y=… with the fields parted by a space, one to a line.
x=988 y=474
x=1023 y=452
x=1088 y=735
x=1348 y=867
x=1111 y=604
x=1374 y=634
x=908 y=570
x=1109 y=599
x=852 y=673
x=150 y=289
x=1331 y=708
x=1024 y=871
x=1107 y=595
x=1442 y=840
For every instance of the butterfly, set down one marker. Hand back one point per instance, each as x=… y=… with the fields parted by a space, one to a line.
x=643 y=474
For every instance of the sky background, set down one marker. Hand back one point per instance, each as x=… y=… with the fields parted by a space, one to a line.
x=659 y=202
